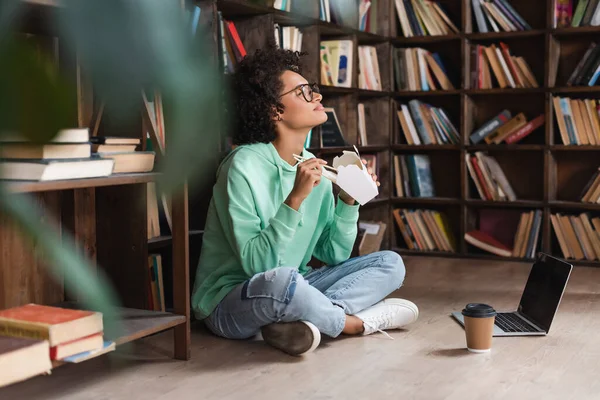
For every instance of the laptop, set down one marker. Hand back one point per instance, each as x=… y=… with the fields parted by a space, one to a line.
x=539 y=302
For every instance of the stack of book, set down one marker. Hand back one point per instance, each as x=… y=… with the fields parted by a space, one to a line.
x=578 y=120
x=524 y=241
x=47 y=334
x=425 y=230
x=423 y=18
x=489 y=179
x=122 y=151
x=231 y=50
x=587 y=13
x=412 y=176
x=336 y=62
x=508 y=70
x=368 y=74
x=288 y=37
x=591 y=191
x=66 y=156
x=578 y=236
x=422 y=123
x=500 y=16
x=506 y=128
x=415 y=69
x=587 y=71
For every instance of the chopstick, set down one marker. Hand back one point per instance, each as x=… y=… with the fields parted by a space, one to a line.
x=301 y=159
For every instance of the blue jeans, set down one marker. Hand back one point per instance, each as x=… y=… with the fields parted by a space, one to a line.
x=324 y=296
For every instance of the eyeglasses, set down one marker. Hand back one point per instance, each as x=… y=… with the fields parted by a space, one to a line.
x=307 y=91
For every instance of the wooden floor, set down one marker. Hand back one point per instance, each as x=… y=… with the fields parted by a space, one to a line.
x=426 y=361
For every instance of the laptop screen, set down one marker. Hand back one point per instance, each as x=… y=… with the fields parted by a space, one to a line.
x=543 y=291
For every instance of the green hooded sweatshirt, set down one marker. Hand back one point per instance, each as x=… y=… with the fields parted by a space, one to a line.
x=250 y=230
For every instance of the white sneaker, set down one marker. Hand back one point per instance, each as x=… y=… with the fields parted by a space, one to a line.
x=388 y=314
x=295 y=338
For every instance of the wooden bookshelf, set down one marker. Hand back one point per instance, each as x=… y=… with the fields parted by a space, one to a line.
x=545 y=174
x=107 y=218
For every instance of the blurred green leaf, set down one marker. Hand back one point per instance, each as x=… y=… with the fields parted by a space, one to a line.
x=89 y=285
x=34 y=99
x=131 y=45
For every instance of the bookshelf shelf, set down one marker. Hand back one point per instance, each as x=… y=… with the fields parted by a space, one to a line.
x=506 y=147
x=502 y=204
x=573 y=205
x=583 y=30
x=505 y=35
x=325 y=89
x=425 y=147
x=371 y=93
x=425 y=200
x=421 y=93
x=562 y=147
x=576 y=89
x=160 y=242
x=416 y=40
x=136 y=323
x=403 y=251
x=503 y=91
x=113 y=180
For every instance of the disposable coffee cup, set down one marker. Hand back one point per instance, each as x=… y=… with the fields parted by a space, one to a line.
x=479 y=327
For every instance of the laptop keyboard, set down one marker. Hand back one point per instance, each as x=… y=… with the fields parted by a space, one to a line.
x=511 y=323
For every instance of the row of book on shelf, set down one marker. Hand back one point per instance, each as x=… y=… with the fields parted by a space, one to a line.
x=425 y=230
x=576 y=13
x=423 y=18
x=524 y=240
x=489 y=178
x=497 y=16
x=504 y=127
x=578 y=235
x=412 y=176
x=578 y=120
x=34 y=338
x=422 y=123
x=417 y=69
x=496 y=61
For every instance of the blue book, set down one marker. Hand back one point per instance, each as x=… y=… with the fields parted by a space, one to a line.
x=86 y=355
x=195 y=19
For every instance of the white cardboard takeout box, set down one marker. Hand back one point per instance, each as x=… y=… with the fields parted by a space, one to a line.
x=352 y=177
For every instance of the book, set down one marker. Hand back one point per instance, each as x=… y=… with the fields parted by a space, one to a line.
x=107 y=346
x=55 y=324
x=331 y=130
x=130 y=162
x=87 y=343
x=486 y=242
x=45 y=151
x=21 y=359
x=71 y=135
x=52 y=170
x=112 y=140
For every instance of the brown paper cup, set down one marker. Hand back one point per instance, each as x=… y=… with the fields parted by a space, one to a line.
x=479 y=332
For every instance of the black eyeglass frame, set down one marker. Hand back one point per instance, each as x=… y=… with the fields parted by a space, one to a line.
x=314 y=87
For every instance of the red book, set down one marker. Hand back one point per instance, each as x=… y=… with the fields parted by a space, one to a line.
x=525 y=130
x=486 y=242
x=55 y=324
x=236 y=37
x=482 y=181
x=67 y=349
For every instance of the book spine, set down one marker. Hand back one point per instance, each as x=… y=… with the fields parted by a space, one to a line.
x=589 y=13
x=418 y=120
x=579 y=11
x=479 y=16
x=507 y=5
x=525 y=130
x=490 y=126
x=576 y=72
x=512 y=17
x=10 y=327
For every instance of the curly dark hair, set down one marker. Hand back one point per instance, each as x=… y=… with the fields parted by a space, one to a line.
x=256 y=87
